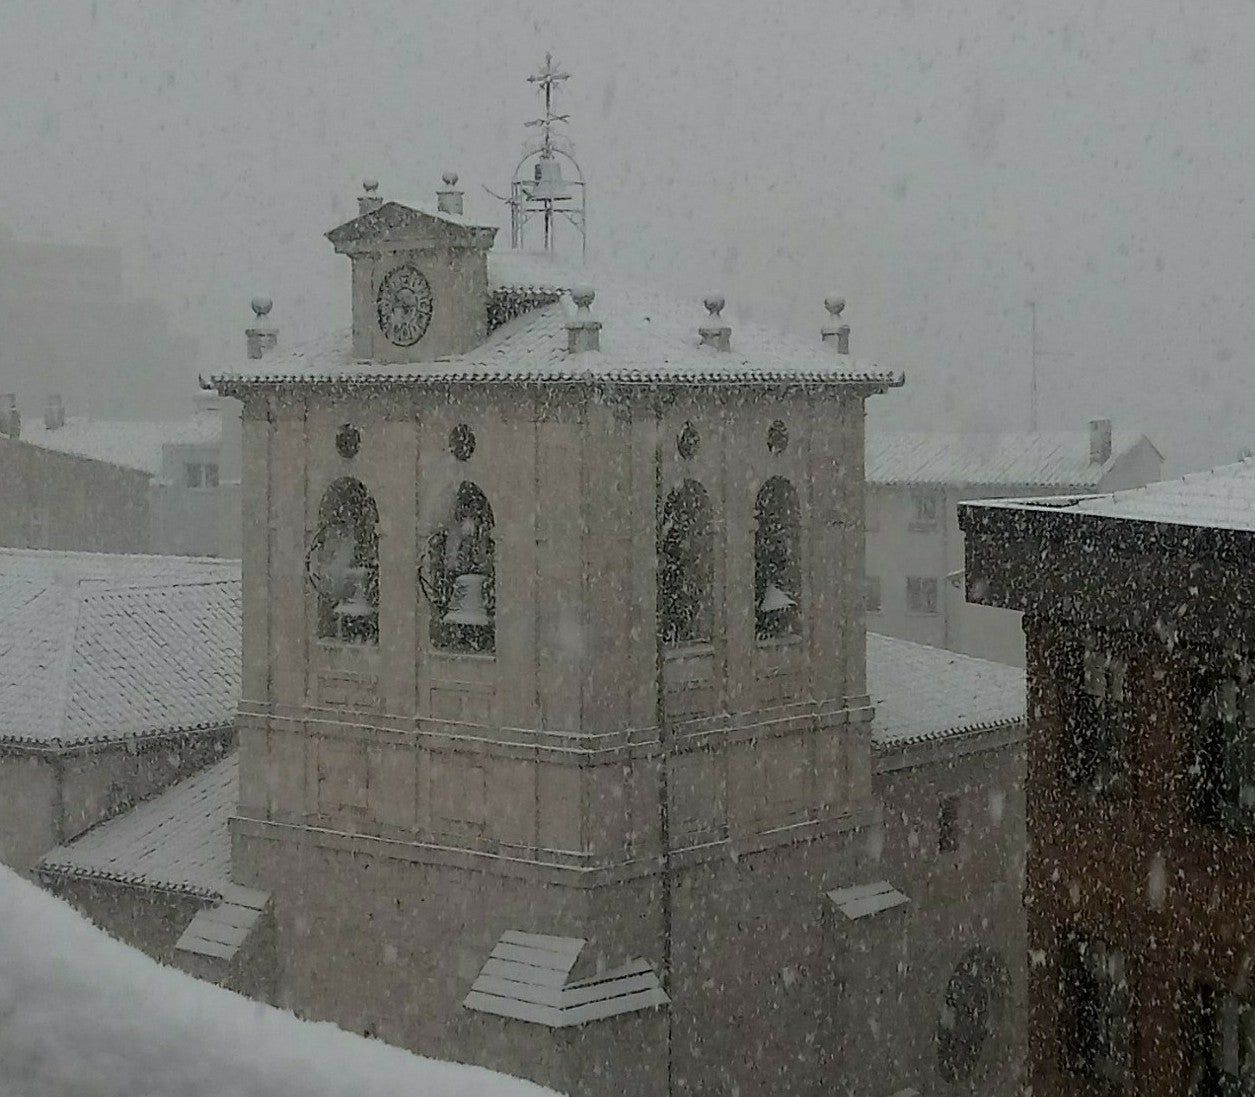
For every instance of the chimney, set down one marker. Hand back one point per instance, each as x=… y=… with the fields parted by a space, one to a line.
x=1099 y=441
x=715 y=333
x=54 y=412
x=370 y=201
x=836 y=331
x=262 y=336
x=449 y=200
x=10 y=421
x=583 y=332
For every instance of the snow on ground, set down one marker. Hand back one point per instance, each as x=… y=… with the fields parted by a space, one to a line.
x=82 y=1015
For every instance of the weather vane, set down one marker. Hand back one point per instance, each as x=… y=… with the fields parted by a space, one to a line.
x=537 y=188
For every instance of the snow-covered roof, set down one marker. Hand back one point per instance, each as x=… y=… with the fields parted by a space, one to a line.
x=92 y=1015
x=130 y=444
x=178 y=840
x=923 y=693
x=1217 y=498
x=95 y=646
x=1055 y=458
x=646 y=338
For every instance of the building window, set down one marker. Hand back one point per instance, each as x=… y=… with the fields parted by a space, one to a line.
x=1220 y=1030
x=343 y=564
x=1099 y=1012
x=871 y=593
x=461 y=555
x=684 y=566
x=1095 y=735
x=924 y=510
x=1224 y=765
x=200 y=475
x=973 y=999
x=948 y=825
x=921 y=595
x=777 y=560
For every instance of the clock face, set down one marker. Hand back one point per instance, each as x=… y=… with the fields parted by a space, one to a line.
x=404 y=305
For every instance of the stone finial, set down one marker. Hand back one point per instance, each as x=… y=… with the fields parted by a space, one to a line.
x=715 y=333
x=370 y=201
x=583 y=332
x=260 y=336
x=449 y=200
x=836 y=330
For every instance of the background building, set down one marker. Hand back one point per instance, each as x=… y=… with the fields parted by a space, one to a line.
x=915 y=481
x=1140 y=619
x=118 y=675
x=78 y=483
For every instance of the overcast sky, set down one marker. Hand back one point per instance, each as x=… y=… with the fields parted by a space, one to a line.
x=938 y=164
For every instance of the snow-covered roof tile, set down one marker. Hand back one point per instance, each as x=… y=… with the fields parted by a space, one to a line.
x=646 y=338
x=130 y=444
x=922 y=693
x=1217 y=498
x=96 y=646
x=177 y=840
x=1055 y=458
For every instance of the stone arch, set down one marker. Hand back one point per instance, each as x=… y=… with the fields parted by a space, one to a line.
x=685 y=553
x=461 y=554
x=343 y=563
x=777 y=560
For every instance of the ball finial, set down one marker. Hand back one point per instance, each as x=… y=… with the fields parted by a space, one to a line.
x=450 y=178
x=370 y=185
x=714 y=304
x=834 y=305
x=583 y=297
x=261 y=306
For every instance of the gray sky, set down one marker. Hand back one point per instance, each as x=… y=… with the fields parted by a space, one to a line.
x=938 y=164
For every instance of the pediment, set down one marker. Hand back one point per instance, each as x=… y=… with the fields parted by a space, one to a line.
x=394 y=227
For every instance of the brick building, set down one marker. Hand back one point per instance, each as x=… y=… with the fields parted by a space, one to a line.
x=1139 y=613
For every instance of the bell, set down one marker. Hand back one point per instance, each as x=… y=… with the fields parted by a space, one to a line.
x=549 y=183
x=774 y=600
x=466 y=607
x=354 y=605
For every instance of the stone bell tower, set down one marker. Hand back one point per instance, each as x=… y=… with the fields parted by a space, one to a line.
x=554 y=721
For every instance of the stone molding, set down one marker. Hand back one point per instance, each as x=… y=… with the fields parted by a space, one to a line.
x=577 y=748
x=564 y=868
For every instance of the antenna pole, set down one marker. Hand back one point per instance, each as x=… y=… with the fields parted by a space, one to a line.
x=1032 y=391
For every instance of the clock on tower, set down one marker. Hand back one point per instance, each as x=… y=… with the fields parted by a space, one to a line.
x=420 y=282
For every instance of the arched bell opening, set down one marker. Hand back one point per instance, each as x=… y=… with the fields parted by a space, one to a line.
x=685 y=544
x=342 y=564
x=459 y=576
x=777 y=560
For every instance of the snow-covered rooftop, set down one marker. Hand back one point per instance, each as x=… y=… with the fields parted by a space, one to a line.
x=923 y=693
x=646 y=337
x=1217 y=498
x=85 y=1014
x=96 y=646
x=178 y=840
x=130 y=444
x=1055 y=458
